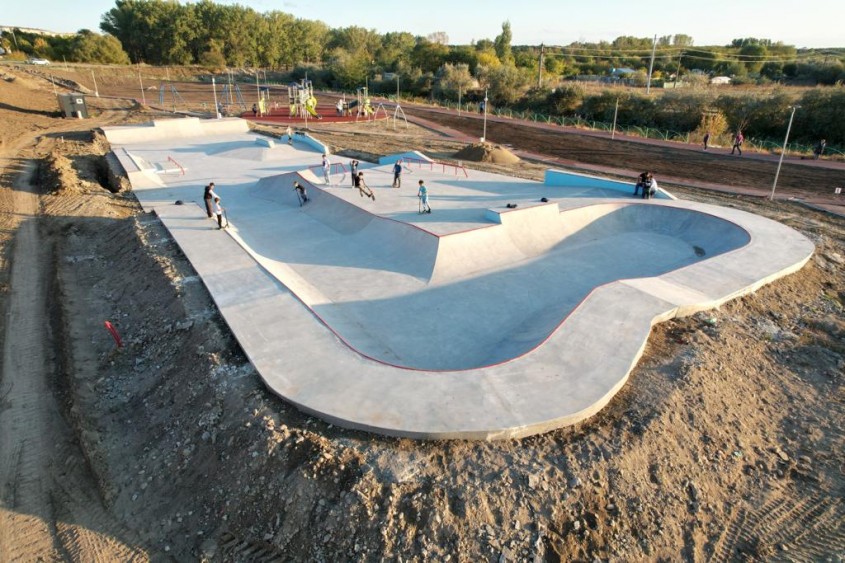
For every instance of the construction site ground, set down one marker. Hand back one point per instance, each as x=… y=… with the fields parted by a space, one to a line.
x=726 y=444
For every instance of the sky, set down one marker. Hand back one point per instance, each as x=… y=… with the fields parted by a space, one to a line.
x=554 y=22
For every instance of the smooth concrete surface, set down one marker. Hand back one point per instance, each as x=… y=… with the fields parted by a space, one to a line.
x=477 y=321
x=578 y=180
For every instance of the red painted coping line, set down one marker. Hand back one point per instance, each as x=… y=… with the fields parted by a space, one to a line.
x=487 y=366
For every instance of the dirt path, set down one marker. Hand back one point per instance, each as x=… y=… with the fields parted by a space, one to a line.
x=49 y=504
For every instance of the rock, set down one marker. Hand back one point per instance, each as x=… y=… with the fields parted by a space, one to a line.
x=575 y=482
x=534 y=480
x=576 y=525
x=834 y=257
x=782 y=455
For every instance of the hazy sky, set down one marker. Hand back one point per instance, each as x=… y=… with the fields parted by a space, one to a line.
x=819 y=23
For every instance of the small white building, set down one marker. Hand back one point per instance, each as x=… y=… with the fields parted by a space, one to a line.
x=720 y=80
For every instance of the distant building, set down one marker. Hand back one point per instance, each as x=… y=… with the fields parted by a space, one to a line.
x=33 y=30
x=720 y=80
x=622 y=72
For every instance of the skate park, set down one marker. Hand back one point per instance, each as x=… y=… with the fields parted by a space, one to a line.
x=476 y=321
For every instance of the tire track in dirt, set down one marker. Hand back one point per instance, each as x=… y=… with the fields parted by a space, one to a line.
x=48 y=504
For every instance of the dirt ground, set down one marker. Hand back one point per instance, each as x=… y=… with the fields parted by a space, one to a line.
x=727 y=444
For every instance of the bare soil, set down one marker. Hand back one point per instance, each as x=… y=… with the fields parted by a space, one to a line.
x=726 y=444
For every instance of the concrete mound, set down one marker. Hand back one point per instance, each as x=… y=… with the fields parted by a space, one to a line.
x=487 y=152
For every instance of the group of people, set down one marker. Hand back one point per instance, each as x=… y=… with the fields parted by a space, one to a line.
x=647 y=184
x=213 y=206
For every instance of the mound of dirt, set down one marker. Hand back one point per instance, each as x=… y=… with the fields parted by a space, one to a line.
x=487 y=152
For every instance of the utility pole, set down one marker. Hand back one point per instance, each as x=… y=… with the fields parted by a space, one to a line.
x=141 y=81
x=678 y=71
x=484 y=135
x=216 y=107
x=783 y=152
x=540 y=66
x=615 y=113
x=651 y=65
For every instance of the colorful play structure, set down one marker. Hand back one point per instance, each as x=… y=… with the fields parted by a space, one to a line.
x=302 y=105
x=301 y=100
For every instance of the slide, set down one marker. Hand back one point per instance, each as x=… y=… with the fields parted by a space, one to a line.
x=311 y=107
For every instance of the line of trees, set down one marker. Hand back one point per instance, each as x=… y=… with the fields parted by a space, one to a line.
x=761 y=113
x=164 y=32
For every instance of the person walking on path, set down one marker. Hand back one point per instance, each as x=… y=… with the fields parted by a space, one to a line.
x=817 y=152
x=219 y=209
x=397 y=174
x=706 y=139
x=327 y=167
x=301 y=193
x=422 y=193
x=353 y=168
x=209 y=196
x=254 y=110
x=738 y=139
x=363 y=188
x=289 y=133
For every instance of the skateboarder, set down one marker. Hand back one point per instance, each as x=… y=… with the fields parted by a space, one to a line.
x=353 y=167
x=327 y=167
x=208 y=196
x=397 y=174
x=650 y=187
x=219 y=210
x=363 y=188
x=643 y=181
x=422 y=193
x=289 y=133
x=301 y=193
x=706 y=140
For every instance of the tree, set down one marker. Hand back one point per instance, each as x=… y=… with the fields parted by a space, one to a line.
x=682 y=40
x=502 y=43
x=753 y=55
x=90 y=47
x=454 y=79
x=438 y=37
x=428 y=56
x=395 y=50
x=506 y=83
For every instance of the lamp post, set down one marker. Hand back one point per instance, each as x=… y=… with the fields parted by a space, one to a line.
x=216 y=107
x=615 y=113
x=783 y=152
x=484 y=135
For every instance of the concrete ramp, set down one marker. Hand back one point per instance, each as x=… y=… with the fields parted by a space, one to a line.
x=185 y=128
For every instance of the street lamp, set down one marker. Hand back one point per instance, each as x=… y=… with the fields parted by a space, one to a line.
x=484 y=135
x=783 y=152
x=216 y=107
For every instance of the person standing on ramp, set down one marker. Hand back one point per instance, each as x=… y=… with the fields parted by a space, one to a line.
x=422 y=193
x=397 y=174
x=209 y=195
x=327 y=167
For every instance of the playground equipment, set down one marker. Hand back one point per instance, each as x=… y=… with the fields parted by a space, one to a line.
x=362 y=102
x=176 y=97
x=232 y=92
x=301 y=99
